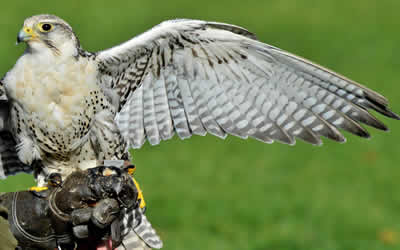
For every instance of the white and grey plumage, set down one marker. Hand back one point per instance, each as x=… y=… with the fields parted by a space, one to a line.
x=68 y=107
x=193 y=77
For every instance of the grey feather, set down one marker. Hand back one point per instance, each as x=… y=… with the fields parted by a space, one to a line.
x=149 y=115
x=175 y=102
x=10 y=164
x=200 y=77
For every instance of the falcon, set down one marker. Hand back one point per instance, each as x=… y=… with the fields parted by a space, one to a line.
x=63 y=108
x=70 y=109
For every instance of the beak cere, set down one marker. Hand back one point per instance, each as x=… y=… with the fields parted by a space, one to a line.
x=25 y=35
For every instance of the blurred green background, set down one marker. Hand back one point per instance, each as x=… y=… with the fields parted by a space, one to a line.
x=206 y=193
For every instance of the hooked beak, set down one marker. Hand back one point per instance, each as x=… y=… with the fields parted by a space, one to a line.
x=25 y=34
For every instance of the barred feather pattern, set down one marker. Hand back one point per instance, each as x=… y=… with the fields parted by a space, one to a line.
x=10 y=164
x=138 y=232
x=193 y=77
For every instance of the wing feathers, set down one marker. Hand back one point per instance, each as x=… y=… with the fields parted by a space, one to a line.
x=201 y=98
x=162 y=109
x=337 y=84
x=189 y=105
x=149 y=116
x=175 y=101
x=10 y=164
x=199 y=77
x=136 y=122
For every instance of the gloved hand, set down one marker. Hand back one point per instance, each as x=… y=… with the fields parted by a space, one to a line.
x=86 y=205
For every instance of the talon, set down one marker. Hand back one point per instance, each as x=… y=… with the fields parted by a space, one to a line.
x=38 y=189
x=54 y=180
x=131 y=169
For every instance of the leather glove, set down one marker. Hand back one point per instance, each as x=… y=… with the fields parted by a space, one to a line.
x=86 y=204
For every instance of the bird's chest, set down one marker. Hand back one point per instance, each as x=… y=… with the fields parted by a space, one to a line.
x=54 y=103
x=53 y=93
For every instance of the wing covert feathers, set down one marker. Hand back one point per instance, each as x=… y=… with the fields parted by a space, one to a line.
x=193 y=77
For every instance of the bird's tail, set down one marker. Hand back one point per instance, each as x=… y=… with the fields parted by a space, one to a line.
x=138 y=232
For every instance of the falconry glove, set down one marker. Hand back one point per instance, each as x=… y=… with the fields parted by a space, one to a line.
x=88 y=205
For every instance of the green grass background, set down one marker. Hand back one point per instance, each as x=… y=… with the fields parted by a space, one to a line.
x=206 y=193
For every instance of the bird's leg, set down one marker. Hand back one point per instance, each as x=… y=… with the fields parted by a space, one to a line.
x=131 y=169
x=40 y=177
x=38 y=189
x=52 y=180
x=44 y=180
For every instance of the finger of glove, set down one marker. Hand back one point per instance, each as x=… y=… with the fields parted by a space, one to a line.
x=128 y=194
x=81 y=231
x=81 y=216
x=105 y=212
x=116 y=232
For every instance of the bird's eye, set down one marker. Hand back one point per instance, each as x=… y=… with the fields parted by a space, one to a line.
x=46 y=27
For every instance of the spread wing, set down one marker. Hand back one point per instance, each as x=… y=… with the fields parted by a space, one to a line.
x=193 y=77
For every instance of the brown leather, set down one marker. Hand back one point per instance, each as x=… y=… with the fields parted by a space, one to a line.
x=45 y=220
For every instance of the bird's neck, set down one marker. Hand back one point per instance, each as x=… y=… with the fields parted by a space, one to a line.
x=51 y=53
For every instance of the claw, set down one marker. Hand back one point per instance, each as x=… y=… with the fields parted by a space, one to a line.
x=131 y=169
x=54 y=180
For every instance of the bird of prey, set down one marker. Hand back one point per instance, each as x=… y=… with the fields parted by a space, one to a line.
x=68 y=108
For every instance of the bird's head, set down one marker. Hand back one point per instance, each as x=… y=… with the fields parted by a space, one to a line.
x=44 y=32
